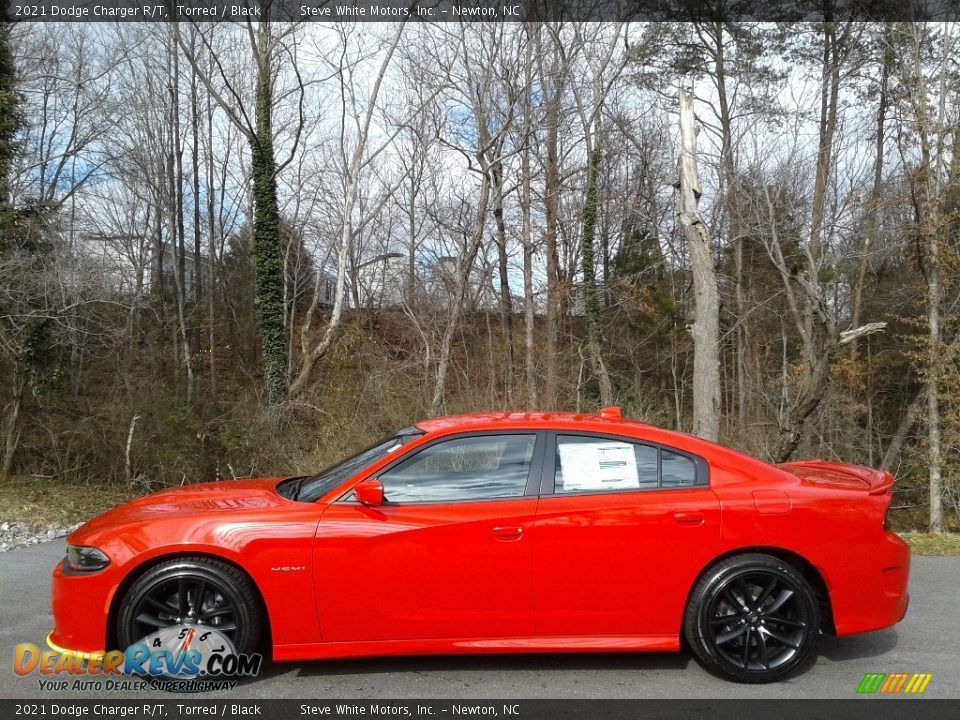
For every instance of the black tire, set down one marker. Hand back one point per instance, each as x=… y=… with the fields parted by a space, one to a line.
x=228 y=594
x=752 y=618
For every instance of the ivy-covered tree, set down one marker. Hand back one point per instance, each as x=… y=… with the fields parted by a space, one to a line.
x=11 y=120
x=25 y=318
x=10 y=123
x=591 y=297
x=265 y=49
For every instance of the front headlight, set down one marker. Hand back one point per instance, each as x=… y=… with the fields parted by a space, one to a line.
x=85 y=559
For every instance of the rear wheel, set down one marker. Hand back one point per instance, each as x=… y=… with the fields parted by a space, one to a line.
x=193 y=591
x=753 y=619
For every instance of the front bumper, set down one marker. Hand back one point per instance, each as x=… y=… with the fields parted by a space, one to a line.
x=81 y=605
x=67 y=651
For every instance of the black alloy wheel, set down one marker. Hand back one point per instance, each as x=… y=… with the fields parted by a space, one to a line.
x=192 y=591
x=753 y=618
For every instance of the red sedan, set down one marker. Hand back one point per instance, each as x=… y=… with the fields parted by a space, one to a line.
x=503 y=532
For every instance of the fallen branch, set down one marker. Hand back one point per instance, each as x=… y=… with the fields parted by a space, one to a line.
x=848 y=336
x=128 y=465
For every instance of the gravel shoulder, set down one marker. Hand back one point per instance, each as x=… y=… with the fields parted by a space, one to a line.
x=18 y=534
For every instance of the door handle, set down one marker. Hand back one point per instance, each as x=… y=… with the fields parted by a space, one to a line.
x=688 y=518
x=507 y=534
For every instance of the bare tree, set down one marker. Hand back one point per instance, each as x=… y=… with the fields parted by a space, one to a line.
x=814 y=318
x=927 y=177
x=469 y=228
x=356 y=158
x=529 y=247
x=705 y=329
x=174 y=204
x=590 y=117
x=552 y=74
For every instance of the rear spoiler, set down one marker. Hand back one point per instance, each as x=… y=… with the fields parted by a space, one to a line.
x=841 y=475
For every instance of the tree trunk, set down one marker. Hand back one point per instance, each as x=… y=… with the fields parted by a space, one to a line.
x=355 y=166
x=412 y=211
x=741 y=332
x=268 y=260
x=460 y=291
x=505 y=303
x=175 y=200
x=211 y=262
x=926 y=186
x=195 y=163
x=933 y=383
x=899 y=438
x=932 y=243
x=529 y=309
x=590 y=296
x=128 y=459
x=873 y=210
x=706 y=327
x=195 y=336
x=157 y=282
x=551 y=201
x=12 y=434
x=816 y=324
x=312 y=354
x=267 y=254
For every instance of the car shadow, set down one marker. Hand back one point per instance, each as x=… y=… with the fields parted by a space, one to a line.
x=481 y=663
x=858 y=647
x=835 y=649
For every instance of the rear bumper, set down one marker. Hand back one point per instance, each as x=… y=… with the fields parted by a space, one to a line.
x=874 y=595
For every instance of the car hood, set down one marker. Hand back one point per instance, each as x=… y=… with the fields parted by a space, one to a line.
x=228 y=496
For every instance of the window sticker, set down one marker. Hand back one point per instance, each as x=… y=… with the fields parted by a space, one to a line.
x=603 y=465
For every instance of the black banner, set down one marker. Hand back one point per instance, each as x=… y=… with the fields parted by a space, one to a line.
x=191 y=707
x=206 y=11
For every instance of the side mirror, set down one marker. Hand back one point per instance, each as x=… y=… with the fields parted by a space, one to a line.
x=369 y=492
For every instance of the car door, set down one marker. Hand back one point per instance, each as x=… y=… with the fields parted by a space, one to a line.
x=622 y=530
x=448 y=554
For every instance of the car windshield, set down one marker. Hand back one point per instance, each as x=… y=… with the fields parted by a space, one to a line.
x=313 y=487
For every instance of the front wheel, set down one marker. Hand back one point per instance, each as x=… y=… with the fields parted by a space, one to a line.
x=192 y=591
x=752 y=619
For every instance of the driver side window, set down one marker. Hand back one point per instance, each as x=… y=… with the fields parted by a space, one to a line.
x=462 y=469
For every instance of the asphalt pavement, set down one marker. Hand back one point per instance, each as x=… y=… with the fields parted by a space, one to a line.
x=928 y=640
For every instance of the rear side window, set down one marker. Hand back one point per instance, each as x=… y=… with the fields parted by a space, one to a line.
x=599 y=464
x=676 y=470
x=463 y=469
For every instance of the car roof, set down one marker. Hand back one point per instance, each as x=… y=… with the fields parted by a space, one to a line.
x=606 y=420
x=607 y=417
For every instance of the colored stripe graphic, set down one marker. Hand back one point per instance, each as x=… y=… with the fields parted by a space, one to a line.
x=871 y=682
x=894 y=683
x=918 y=683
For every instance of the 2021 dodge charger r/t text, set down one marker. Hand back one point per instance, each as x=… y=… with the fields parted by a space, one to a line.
x=501 y=533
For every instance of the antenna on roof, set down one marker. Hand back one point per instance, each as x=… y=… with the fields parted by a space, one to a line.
x=611 y=412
